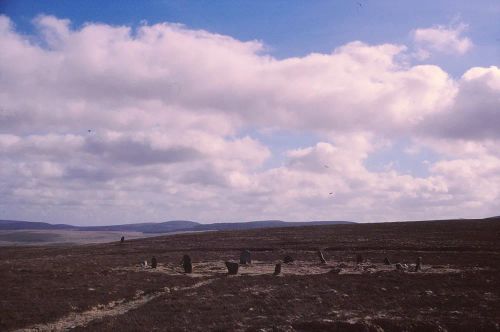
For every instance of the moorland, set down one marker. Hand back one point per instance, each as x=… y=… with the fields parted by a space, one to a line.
x=104 y=287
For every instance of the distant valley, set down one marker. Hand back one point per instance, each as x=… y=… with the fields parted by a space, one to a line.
x=14 y=232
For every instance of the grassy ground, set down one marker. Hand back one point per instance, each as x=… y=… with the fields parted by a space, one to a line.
x=458 y=289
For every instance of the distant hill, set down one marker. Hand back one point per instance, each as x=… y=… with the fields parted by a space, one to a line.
x=162 y=227
x=262 y=224
x=7 y=225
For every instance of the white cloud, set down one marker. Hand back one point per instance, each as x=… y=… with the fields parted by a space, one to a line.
x=109 y=124
x=475 y=112
x=441 y=39
x=113 y=74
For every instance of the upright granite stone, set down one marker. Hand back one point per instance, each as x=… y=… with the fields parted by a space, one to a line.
x=186 y=264
x=321 y=257
x=245 y=257
x=418 y=266
x=277 y=269
x=154 y=263
x=232 y=268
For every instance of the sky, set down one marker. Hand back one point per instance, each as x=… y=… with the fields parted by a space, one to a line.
x=226 y=111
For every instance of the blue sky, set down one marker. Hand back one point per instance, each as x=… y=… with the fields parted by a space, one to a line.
x=290 y=28
x=392 y=105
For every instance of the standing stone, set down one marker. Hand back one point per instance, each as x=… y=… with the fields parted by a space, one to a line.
x=186 y=264
x=359 y=259
x=122 y=239
x=232 y=268
x=387 y=261
x=245 y=257
x=321 y=257
x=277 y=269
x=418 y=266
x=288 y=259
x=154 y=263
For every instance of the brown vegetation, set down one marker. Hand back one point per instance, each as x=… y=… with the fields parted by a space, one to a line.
x=458 y=287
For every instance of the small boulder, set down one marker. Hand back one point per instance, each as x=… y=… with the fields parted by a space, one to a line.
x=401 y=267
x=359 y=259
x=232 y=268
x=288 y=259
x=154 y=263
x=387 y=261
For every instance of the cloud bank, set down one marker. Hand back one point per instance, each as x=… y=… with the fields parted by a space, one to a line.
x=109 y=124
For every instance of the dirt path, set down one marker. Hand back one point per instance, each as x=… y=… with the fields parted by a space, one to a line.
x=114 y=308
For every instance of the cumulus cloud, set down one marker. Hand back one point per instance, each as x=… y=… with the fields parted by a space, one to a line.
x=476 y=109
x=441 y=39
x=102 y=124
x=109 y=73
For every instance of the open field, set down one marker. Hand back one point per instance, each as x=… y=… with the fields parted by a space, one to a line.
x=64 y=237
x=101 y=287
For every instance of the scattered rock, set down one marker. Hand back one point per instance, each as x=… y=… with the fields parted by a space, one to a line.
x=232 y=268
x=288 y=259
x=186 y=264
x=401 y=267
x=245 y=257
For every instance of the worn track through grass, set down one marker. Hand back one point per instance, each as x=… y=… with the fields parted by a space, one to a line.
x=112 y=309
